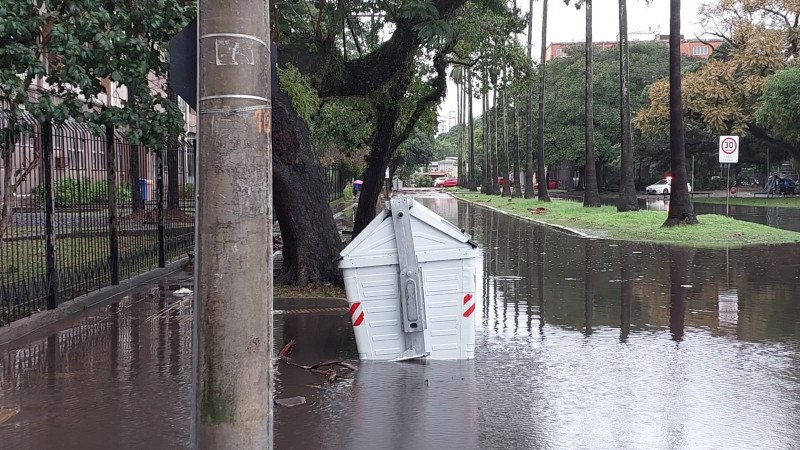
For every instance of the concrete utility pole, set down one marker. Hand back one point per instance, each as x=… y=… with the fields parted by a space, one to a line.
x=233 y=307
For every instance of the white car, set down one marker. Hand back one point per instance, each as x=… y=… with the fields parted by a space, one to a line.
x=663 y=187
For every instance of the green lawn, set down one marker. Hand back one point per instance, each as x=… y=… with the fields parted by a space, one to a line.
x=777 y=202
x=606 y=222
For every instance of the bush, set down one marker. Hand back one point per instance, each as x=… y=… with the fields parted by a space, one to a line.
x=99 y=192
x=422 y=180
x=348 y=192
x=67 y=193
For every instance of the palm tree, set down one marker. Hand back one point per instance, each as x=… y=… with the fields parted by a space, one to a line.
x=507 y=169
x=517 y=191
x=540 y=172
x=627 y=188
x=591 y=197
x=486 y=187
x=529 y=116
x=680 y=203
x=471 y=182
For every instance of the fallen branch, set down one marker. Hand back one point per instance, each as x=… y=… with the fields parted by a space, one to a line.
x=330 y=374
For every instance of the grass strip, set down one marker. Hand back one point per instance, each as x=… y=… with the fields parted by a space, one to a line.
x=775 y=202
x=714 y=231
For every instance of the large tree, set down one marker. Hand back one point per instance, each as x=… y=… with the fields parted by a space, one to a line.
x=591 y=197
x=58 y=59
x=722 y=96
x=627 y=188
x=540 y=172
x=681 y=210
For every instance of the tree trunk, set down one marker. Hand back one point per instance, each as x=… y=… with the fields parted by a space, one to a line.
x=311 y=242
x=486 y=186
x=173 y=199
x=7 y=147
x=471 y=181
x=681 y=209
x=627 y=187
x=496 y=149
x=517 y=189
x=591 y=197
x=507 y=169
x=529 y=116
x=137 y=202
x=541 y=176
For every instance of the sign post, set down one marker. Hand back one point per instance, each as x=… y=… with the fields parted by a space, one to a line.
x=728 y=154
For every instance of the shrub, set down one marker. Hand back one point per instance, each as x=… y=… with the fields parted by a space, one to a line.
x=348 y=192
x=422 y=180
x=67 y=193
x=99 y=192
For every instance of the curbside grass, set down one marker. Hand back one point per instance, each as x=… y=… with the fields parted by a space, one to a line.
x=714 y=231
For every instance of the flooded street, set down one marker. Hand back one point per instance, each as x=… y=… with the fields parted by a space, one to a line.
x=580 y=344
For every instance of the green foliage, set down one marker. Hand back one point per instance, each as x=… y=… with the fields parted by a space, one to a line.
x=347 y=193
x=564 y=111
x=422 y=180
x=119 y=41
x=299 y=89
x=343 y=125
x=417 y=150
x=780 y=109
x=69 y=192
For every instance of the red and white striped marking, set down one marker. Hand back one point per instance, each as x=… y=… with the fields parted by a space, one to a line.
x=356 y=314
x=469 y=305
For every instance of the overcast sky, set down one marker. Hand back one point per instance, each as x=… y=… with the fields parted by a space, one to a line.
x=566 y=24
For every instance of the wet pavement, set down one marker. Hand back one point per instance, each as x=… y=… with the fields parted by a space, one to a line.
x=580 y=344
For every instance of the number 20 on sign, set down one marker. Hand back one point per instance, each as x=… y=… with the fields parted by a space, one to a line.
x=729 y=149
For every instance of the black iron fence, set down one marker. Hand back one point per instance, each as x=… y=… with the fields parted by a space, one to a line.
x=334 y=183
x=80 y=211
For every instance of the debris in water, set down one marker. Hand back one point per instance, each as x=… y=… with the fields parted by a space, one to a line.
x=331 y=368
x=291 y=401
x=8 y=413
x=183 y=291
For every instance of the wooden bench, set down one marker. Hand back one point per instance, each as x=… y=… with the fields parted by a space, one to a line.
x=707 y=194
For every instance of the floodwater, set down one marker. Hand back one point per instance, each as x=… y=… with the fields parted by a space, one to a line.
x=785 y=218
x=580 y=344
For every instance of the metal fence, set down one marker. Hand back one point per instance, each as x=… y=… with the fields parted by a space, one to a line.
x=334 y=183
x=78 y=214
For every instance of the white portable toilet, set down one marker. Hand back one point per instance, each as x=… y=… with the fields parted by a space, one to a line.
x=412 y=281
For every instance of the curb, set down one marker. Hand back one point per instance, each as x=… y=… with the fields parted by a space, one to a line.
x=23 y=327
x=556 y=227
x=308 y=302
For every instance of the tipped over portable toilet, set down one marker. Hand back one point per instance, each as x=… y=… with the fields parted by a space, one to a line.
x=412 y=281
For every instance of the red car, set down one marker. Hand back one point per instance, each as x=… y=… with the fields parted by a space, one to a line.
x=445 y=182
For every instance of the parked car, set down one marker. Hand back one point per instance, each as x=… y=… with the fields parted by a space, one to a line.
x=445 y=182
x=663 y=186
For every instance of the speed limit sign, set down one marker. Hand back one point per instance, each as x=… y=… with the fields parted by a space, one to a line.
x=729 y=149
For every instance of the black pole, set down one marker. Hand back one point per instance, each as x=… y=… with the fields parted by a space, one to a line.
x=51 y=272
x=111 y=177
x=162 y=257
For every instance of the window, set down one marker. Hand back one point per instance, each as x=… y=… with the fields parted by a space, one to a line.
x=559 y=52
x=700 y=50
